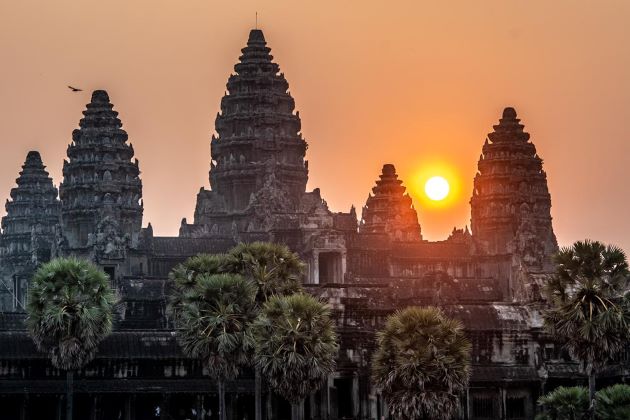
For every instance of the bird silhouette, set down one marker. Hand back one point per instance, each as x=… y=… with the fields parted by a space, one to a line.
x=75 y=89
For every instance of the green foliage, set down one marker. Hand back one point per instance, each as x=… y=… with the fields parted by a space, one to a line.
x=588 y=310
x=571 y=403
x=70 y=310
x=273 y=267
x=184 y=278
x=213 y=322
x=296 y=344
x=613 y=402
x=422 y=363
x=564 y=403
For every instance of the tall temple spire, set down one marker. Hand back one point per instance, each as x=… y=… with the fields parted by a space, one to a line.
x=390 y=209
x=32 y=210
x=28 y=230
x=100 y=179
x=258 y=132
x=511 y=204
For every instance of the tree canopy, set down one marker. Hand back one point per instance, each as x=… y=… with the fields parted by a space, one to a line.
x=70 y=310
x=422 y=363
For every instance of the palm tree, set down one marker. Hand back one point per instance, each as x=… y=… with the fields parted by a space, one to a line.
x=213 y=325
x=613 y=402
x=273 y=267
x=70 y=311
x=422 y=363
x=184 y=277
x=276 y=271
x=296 y=346
x=588 y=310
x=564 y=403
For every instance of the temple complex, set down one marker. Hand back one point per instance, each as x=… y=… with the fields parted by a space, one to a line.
x=490 y=278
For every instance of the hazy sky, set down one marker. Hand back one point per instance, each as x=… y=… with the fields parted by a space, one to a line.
x=414 y=83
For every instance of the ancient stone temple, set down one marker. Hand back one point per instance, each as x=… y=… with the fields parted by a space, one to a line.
x=489 y=278
x=28 y=230
x=390 y=209
x=101 y=192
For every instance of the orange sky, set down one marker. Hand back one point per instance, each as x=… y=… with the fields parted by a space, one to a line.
x=414 y=83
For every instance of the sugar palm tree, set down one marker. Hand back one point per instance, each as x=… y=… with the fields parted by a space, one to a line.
x=564 y=403
x=296 y=345
x=70 y=311
x=613 y=402
x=213 y=325
x=588 y=310
x=422 y=363
x=276 y=271
x=273 y=267
x=183 y=277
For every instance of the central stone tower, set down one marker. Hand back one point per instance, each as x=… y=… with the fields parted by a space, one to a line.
x=258 y=133
x=258 y=173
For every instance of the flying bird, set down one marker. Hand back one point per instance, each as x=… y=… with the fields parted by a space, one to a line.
x=75 y=89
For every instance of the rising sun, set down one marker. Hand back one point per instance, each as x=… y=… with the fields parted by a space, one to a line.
x=436 y=188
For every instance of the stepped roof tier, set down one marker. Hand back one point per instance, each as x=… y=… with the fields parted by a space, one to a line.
x=390 y=210
x=510 y=204
x=258 y=132
x=32 y=214
x=100 y=177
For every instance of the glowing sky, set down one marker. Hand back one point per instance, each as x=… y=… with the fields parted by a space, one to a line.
x=414 y=83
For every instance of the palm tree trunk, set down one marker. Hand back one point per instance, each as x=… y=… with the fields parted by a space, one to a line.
x=69 y=393
x=221 y=400
x=258 y=394
x=591 y=393
x=297 y=410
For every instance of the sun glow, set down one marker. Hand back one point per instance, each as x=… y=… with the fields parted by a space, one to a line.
x=436 y=188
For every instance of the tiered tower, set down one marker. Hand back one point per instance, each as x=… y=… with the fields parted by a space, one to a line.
x=390 y=210
x=101 y=190
x=28 y=229
x=258 y=133
x=511 y=203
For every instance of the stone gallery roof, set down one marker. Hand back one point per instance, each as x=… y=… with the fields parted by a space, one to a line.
x=119 y=345
x=185 y=247
x=431 y=250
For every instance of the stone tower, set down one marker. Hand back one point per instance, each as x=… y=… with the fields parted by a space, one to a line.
x=101 y=190
x=28 y=229
x=390 y=210
x=511 y=204
x=258 y=133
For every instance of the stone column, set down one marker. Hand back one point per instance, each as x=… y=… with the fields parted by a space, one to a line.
x=199 y=407
x=24 y=408
x=130 y=407
x=315 y=271
x=355 y=397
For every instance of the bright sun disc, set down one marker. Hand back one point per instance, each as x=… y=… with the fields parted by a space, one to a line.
x=436 y=188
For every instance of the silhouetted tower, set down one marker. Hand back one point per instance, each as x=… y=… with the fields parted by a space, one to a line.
x=28 y=229
x=511 y=203
x=390 y=210
x=101 y=182
x=258 y=133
